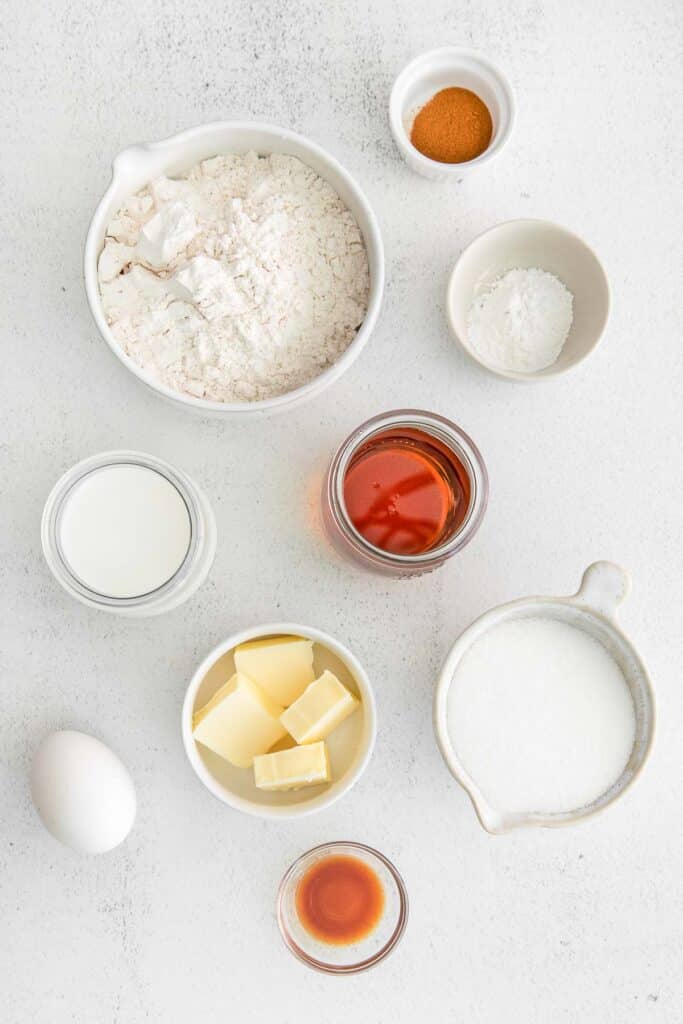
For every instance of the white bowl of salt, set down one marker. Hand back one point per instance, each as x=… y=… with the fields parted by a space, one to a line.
x=544 y=711
x=528 y=300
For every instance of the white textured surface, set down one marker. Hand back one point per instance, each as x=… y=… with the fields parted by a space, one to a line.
x=578 y=925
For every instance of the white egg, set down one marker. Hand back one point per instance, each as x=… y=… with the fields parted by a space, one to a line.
x=82 y=792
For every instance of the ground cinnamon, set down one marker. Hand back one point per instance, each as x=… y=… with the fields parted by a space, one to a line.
x=453 y=127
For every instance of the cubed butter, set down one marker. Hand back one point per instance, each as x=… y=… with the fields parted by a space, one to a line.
x=239 y=722
x=282 y=666
x=323 y=705
x=286 y=743
x=293 y=769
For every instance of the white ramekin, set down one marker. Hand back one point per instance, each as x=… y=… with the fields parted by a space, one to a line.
x=236 y=783
x=441 y=69
x=533 y=243
x=136 y=166
x=592 y=609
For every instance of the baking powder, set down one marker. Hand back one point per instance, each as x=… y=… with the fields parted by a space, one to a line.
x=521 y=321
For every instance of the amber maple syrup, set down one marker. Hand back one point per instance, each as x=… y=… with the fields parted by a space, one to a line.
x=340 y=900
x=406 y=492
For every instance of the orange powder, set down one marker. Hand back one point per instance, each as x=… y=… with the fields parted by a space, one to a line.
x=453 y=127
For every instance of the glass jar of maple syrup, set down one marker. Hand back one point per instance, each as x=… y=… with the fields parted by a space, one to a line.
x=405 y=492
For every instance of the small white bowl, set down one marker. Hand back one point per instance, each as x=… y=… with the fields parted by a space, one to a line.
x=136 y=166
x=533 y=243
x=592 y=609
x=350 y=745
x=442 y=69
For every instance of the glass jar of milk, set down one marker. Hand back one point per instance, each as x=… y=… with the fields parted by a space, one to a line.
x=128 y=533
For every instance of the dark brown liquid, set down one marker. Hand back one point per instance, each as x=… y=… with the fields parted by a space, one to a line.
x=406 y=492
x=340 y=900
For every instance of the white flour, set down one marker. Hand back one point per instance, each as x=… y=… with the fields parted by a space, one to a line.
x=540 y=715
x=240 y=281
x=521 y=321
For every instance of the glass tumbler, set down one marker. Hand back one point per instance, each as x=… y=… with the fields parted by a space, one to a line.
x=189 y=575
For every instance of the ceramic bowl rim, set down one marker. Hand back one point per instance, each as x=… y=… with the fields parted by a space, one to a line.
x=334 y=792
x=551 y=371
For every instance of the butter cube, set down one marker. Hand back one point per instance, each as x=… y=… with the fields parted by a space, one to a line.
x=239 y=722
x=286 y=743
x=282 y=666
x=293 y=769
x=321 y=708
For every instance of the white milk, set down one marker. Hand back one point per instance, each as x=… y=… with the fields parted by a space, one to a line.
x=124 y=530
x=540 y=716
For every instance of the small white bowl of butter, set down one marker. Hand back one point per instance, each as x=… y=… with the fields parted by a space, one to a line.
x=234 y=704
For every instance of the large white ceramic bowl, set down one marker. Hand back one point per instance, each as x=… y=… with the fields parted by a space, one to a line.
x=350 y=745
x=533 y=243
x=136 y=166
x=594 y=610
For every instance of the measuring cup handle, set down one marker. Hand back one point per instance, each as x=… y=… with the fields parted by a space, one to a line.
x=603 y=587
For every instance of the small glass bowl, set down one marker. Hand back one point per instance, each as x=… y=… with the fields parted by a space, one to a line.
x=356 y=956
x=344 y=535
x=188 y=577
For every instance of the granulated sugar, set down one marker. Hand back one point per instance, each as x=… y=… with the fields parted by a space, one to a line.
x=521 y=321
x=540 y=716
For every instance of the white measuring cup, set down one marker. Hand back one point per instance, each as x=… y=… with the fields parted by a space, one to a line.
x=593 y=609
